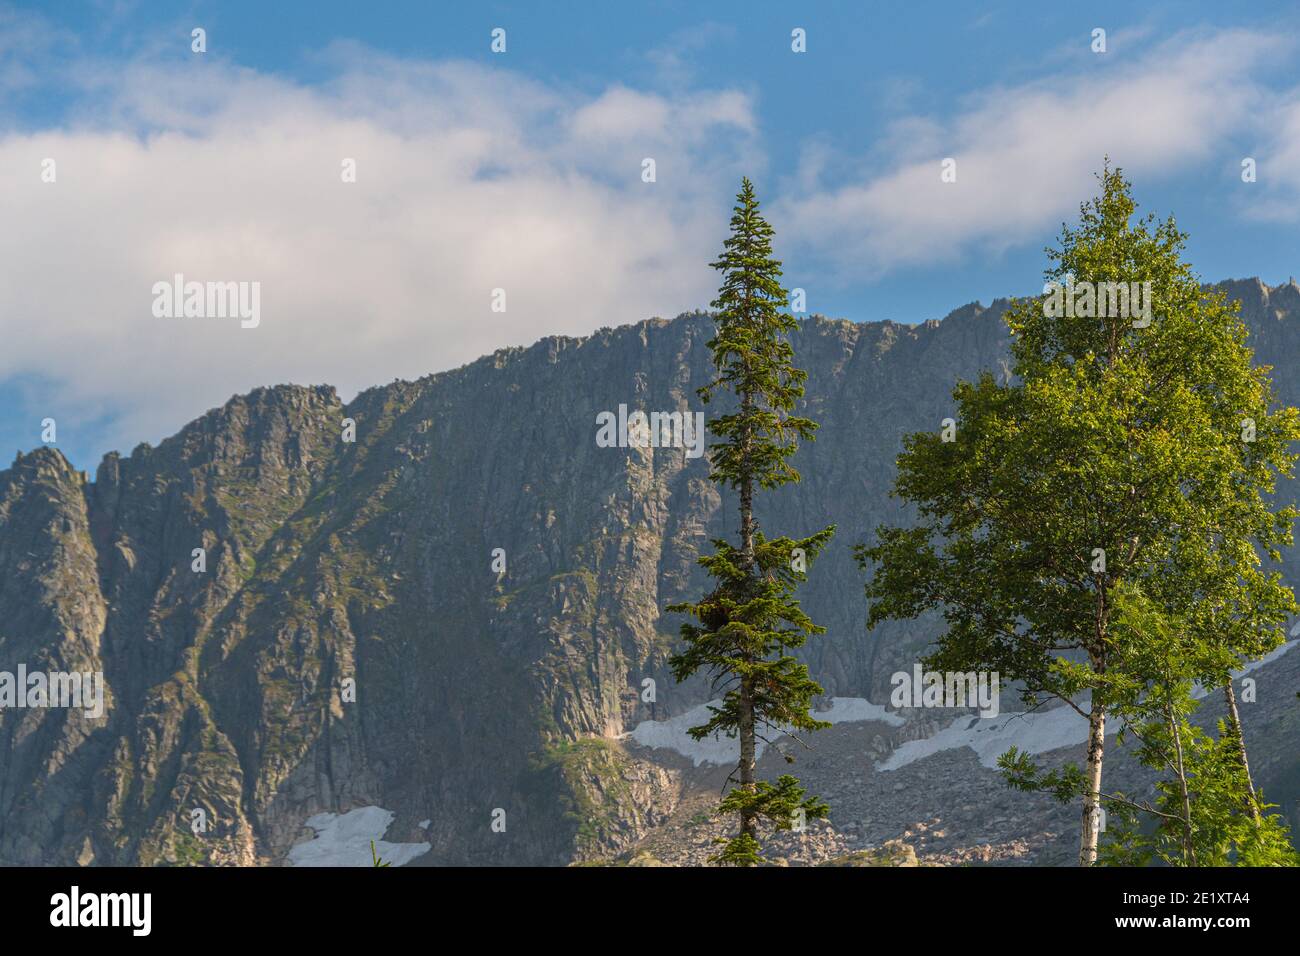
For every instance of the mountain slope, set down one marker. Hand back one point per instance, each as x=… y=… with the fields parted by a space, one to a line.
x=368 y=564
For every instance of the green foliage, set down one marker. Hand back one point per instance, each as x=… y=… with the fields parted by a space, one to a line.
x=1212 y=828
x=742 y=632
x=745 y=628
x=1216 y=830
x=1205 y=812
x=1117 y=456
x=376 y=861
x=753 y=359
x=779 y=804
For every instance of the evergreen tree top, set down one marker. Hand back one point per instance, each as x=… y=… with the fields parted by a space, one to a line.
x=753 y=357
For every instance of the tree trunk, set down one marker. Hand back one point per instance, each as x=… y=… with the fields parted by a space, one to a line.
x=1092 y=798
x=747 y=723
x=747 y=822
x=747 y=494
x=1189 y=850
x=1090 y=829
x=1234 y=727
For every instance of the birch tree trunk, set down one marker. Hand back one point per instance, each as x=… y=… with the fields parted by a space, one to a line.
x=1091 y=827
x=1189 y=850
x=1234 y=726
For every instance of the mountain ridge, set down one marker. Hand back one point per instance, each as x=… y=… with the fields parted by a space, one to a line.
x=371 y=561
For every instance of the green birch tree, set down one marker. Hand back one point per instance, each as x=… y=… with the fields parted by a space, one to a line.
x=1135 y=445
x=1204 y=811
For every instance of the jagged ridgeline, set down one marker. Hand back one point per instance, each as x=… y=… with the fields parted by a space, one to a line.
x=371 y=562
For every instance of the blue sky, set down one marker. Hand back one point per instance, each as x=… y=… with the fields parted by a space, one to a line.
x=522 y=171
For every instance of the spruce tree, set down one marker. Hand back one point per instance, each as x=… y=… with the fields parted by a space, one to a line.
x=1128 y=450
x=742 y=632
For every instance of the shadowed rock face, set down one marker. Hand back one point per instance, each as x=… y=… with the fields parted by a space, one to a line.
x=368 y=565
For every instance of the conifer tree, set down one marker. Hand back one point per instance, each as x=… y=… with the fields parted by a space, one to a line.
x=1136 y=446
x=742 y=632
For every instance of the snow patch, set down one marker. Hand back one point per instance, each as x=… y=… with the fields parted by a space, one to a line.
x=345 y=840
x=1037 y=732
x=671 y=734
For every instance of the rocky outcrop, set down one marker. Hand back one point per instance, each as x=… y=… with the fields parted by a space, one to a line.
x=892 y=853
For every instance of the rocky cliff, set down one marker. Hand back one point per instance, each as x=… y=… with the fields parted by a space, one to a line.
x=291 y=623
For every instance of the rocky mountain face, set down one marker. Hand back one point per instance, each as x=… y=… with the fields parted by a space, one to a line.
x=346 y=636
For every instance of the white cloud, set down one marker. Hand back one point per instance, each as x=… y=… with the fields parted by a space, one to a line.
x=1275 y=195
x=25 y=42
x=1026 y=154
x=675 y=61
x=474 y=177
x=470 y=178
